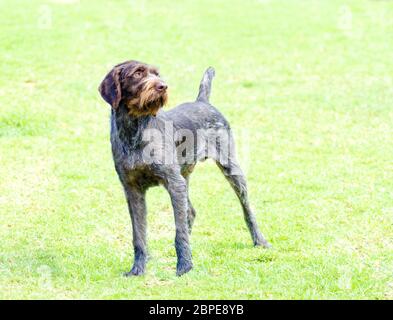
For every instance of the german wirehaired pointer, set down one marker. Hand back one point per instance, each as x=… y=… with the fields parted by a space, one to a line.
x=152 y=147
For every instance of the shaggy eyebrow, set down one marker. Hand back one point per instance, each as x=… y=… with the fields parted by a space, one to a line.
x=129 y=73
x=140 y=68
x=154 y=70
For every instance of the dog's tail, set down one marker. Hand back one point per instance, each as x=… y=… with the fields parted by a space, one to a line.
x=206 y=85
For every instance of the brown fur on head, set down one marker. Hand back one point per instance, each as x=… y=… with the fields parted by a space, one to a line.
x=137 y=85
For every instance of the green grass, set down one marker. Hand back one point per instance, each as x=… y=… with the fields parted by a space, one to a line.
x=309 y=81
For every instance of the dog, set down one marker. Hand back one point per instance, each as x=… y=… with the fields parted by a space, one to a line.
x=136 y=92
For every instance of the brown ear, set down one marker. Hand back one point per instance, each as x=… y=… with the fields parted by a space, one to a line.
x=110 y=88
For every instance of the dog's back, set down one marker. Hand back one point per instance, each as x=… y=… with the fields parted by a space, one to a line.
x=199 y=114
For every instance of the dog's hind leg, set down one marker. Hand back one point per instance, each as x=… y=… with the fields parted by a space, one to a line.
x=137 y=207
x=186 y=172
x=235 y=176
x=191 y=213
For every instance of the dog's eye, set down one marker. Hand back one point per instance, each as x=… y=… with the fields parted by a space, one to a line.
x=137 y=74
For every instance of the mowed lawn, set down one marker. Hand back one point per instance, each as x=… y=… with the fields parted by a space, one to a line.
x=308 y=88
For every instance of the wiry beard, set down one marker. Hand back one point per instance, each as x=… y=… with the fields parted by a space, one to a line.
x=148 y=102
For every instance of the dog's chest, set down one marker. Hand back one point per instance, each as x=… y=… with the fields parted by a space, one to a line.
x=142 y=177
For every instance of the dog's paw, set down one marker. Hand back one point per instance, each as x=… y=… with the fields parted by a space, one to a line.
x=135 y=271
x=183 y=268
x=263 y=244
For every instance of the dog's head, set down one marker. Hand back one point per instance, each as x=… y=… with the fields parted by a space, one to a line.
x=137 y=85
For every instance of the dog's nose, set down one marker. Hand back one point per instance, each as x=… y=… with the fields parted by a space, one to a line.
x=161 y=87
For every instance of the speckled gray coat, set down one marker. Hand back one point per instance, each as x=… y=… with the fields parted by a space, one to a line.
x=136 y=174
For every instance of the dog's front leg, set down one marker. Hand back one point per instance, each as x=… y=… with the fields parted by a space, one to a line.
x=137 y=208
x=177 y=188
